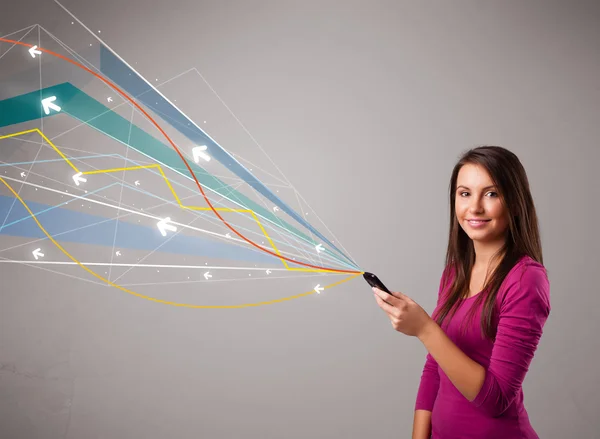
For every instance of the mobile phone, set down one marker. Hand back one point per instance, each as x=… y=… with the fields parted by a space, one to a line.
x=375 y=282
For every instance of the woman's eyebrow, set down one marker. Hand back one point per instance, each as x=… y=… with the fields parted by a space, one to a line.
x=487 y=187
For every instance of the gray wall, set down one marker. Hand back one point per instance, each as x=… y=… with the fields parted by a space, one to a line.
x=365 y=107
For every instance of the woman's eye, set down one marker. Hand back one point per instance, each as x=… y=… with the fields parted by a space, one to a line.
x=495 y=194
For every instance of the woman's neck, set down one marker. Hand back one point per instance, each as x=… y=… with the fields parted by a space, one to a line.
x=484 y=255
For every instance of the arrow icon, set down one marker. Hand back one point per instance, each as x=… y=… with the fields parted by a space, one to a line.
x=137 y=182
x=207 y=275
x=23 y=174
x=109 y=99
x=319 y=248
x=319 y=288
x=37 y=253
x=33 y=51
x=198 y=152
x=163 y=226
x=275 y=209
x=77 y=178
x=118 y=253
x=48 y=104
x=268 y=271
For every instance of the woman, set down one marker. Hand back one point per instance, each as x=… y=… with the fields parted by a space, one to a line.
x=493 y=302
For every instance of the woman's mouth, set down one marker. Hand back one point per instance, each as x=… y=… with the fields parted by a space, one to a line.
x=477 y=223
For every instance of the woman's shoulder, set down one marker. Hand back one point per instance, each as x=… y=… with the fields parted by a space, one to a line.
x=526 y=282
x=527 y=269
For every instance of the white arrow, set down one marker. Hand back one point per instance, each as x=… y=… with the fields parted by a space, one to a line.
x=37 y=253
x=118 y=253
x=47 y=104
x=137 y=182
x=207 y=275
x=319 y=288
x=109 y=99
x=319 y=248
x=227 y=235
x=163 y=226
x=23 y=174
x=33 y=51
x=268 y=271
x=198 y=152
x=275 y=209
x=77 y=178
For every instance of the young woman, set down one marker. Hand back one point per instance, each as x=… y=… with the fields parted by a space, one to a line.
x=493 y=302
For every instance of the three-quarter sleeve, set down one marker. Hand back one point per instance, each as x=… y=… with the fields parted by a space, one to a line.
x=523 y=313
x=429 y=386
x=430 y=377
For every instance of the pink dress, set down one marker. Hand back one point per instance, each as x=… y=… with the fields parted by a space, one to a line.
x=498 y=412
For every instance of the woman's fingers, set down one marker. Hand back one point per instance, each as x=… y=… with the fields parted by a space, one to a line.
x=389 y=309
x=401 y=296
x=393 y=298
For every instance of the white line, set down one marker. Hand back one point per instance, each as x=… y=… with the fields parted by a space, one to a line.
x=32 y=265
x=220 y=236
x=112 y=253
x=283 y=183
x=245 y=279
x=20 y=30
x=71 y=51
x=13 y=44
x=123 y=208
x=108 y=264
x=326 y=228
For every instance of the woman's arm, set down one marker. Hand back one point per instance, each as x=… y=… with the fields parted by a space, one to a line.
x=466 y=375
x=422 y=425
x=523 y=314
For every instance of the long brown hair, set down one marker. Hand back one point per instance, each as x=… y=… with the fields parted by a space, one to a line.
x=522 y=235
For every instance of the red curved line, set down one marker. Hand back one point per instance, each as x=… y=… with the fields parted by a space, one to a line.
x=117 y=89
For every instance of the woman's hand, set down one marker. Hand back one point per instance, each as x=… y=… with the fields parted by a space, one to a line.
x=405 y=314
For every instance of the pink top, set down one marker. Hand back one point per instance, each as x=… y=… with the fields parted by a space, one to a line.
x=523 y=305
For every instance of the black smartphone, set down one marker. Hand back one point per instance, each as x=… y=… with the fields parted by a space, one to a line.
x=375 y=282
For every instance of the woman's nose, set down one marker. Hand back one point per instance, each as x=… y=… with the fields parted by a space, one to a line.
x=476 y=205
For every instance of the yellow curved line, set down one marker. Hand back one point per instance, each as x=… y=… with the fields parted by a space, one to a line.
x=160 y=170
x=166 y=302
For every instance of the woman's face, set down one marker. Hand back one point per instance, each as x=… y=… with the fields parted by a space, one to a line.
x=479 y=210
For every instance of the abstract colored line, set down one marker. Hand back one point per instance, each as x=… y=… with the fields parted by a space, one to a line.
x=166 y=302
x=159 y=168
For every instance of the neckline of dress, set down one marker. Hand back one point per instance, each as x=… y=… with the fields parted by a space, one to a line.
x=473 y=296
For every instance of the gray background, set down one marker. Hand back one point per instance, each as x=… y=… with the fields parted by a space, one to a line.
x=365 y=108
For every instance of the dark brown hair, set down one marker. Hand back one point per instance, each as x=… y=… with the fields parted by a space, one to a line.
x=522 y=235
